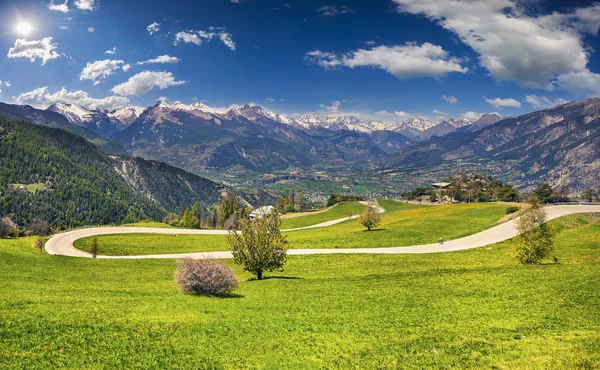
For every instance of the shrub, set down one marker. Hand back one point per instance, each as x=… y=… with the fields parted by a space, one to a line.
x=15 y=232
x=205 y=277
x=511 y=210
x=39 y=243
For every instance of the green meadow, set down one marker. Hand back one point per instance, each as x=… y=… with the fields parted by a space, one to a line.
x=469 y=309
x=401 y=225
x=338 y=211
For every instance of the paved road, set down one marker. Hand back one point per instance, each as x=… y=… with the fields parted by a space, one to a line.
x=62 y=244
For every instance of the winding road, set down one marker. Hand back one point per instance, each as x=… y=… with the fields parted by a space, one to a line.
x=62 y=244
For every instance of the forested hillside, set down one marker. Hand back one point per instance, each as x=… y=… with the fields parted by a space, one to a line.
x=57 y=176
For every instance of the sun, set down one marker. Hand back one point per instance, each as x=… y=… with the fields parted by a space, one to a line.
x=24 y=28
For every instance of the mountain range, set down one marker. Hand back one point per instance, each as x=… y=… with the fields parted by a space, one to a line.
x=199 y=138
x=560 y=145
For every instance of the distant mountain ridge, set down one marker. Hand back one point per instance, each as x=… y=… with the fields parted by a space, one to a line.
x=102 y=122
x=57 y=120
x=559 y=145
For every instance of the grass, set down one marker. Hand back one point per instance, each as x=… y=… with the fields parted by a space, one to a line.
x=338 y=211
x=402 y=225
x=32 y=188
x=470 y=309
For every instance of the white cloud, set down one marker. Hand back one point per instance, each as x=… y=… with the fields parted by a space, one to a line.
x=402 y=114
x=471 y=116
x=333 y=10
x=63 y=27
x=145 y=81
x=542 y=102
x=126 y=67
x=43 y=49
x=63 y=8
x=41 y=98
x=333 y=108
x=383 y=113
x=153 y=28
x=544 y=51
x=403 y=61
x=85 y=5
x=500 y=103
x=197 y=37
x=112 y=51
x=161 y=60
x=439 y=112
x=100 y=69
x=450 y=99
x=270 y=99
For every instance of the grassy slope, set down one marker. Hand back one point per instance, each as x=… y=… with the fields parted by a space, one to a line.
x=402 y=224
x=336 y=212
x=477 y=309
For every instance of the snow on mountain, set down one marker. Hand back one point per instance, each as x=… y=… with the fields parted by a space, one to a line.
x=256 y=112
x=100 y=121
x=410 y=127
x=74 y=113
x=126 y=115
x=445 y=127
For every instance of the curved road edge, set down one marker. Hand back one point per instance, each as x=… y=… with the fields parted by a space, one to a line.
x=62 y=244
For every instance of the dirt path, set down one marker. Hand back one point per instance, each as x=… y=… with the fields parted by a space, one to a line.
x=62 y=244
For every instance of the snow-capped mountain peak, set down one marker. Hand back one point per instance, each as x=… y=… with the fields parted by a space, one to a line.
x=73 y=112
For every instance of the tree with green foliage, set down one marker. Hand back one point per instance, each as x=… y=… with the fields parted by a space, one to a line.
x=507 y=193
x=229 y=207
x=589 y=195
x=370 y=217
x=334 y=199
x=259 y=245
x=544 y=192
x=535 y=240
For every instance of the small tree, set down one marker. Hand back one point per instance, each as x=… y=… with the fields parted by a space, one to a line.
x=95 y=248
x=38 y=227
x=205 y=277
x=5 y=225
x=259 y=245
x=370 y=217
x=535 y=241
x=589 y=195
x=544 y=192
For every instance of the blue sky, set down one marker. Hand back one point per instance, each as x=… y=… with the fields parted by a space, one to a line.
x=381 y=59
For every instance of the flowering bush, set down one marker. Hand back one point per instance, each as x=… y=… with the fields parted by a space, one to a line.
x=205 y=277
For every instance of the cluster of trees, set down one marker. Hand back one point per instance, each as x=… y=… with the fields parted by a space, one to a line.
x=339 y=198
x=478 y=187
x=291 y=201
x=547 y=194
x=225 y=216
x=469 y=188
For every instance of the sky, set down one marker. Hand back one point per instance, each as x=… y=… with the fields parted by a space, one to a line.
x=381 y=59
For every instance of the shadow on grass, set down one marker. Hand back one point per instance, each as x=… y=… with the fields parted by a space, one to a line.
x=373 y=230
x=276 y=277
x=227 y=296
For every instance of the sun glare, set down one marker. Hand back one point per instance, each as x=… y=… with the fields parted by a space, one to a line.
x=24 y=28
